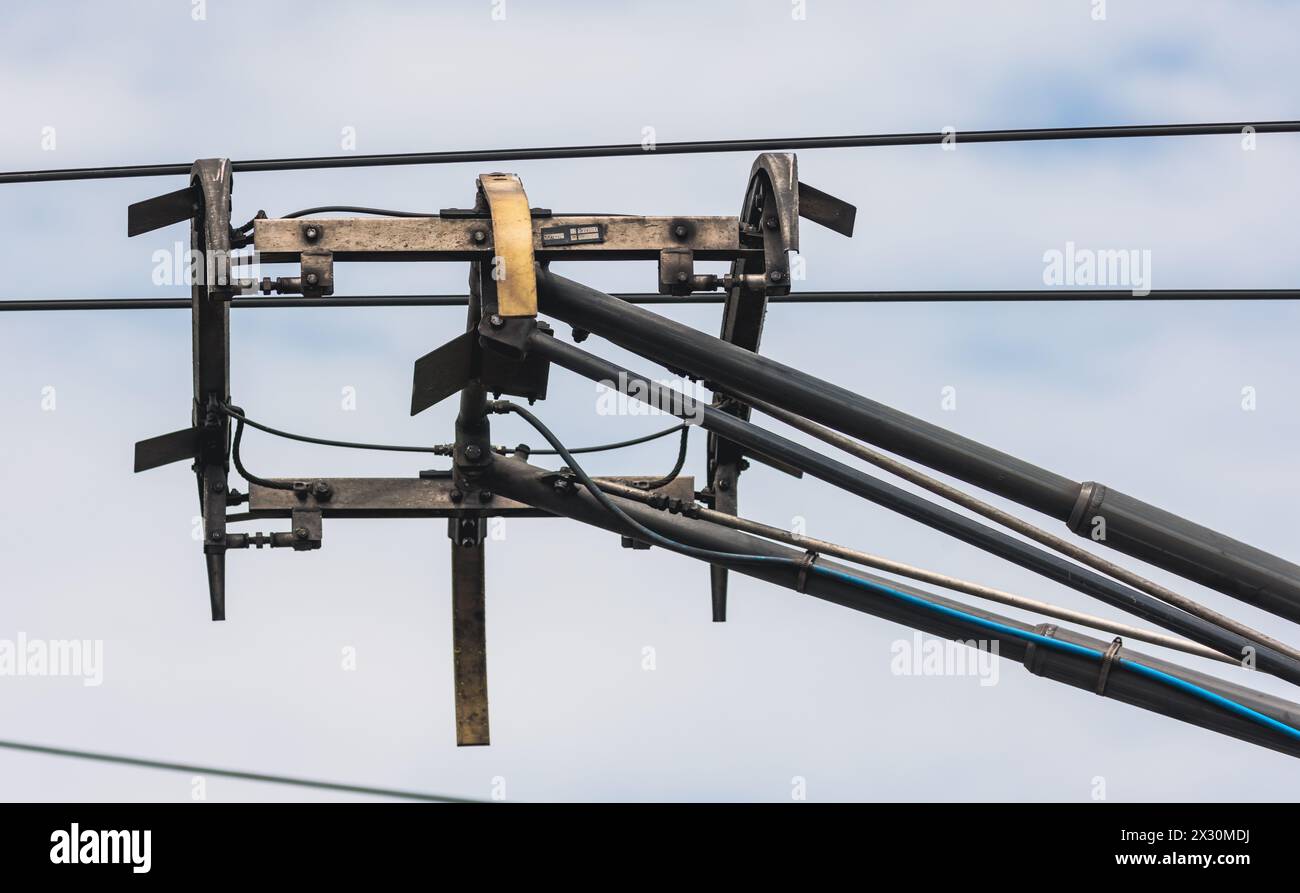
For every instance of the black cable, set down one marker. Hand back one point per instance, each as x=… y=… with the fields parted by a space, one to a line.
x=677 y=468
x=355 y=209
x=228 y=773
x=384 y=212
x=238 y=414
x=802 y=297
x=673 y=148
x=438 y=450
x=645 y=533
x=617 y=445
x=387 y=212
x=239 y=462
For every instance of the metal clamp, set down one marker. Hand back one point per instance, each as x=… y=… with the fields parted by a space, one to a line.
x=512 y=239
x=805 y=565
x=1106 y=660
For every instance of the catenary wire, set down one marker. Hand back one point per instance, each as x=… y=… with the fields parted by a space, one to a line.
x=947 y=136
x=802 y=297
x=228 y=773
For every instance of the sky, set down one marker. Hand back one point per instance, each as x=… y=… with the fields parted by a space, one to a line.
x=791 y=697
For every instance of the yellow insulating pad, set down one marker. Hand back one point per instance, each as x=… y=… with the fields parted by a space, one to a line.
x=512 y=237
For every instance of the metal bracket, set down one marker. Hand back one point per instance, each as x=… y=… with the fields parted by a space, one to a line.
x=774 y=202
x=317 y=274
x=207 y=441
x=769 y=215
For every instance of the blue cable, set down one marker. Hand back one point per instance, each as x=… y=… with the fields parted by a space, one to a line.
x=1070 y=648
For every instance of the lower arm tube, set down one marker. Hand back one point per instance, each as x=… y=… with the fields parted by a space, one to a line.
x=520 y=481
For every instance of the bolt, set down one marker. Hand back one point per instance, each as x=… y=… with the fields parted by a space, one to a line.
x=322 y=489
x=473 y=452
x=496 y=321
x=561 y=485
x=683 y=276
x=580 y=335
x=484 y=495
x=456 y=496
x=770 y=223
x=215 y=536
x=311 y=233
x=724 y=485
x=218 y=487
x=301 y=533
x=312 y=278
x=480 y=236
x=680 y=231
x=776 y=275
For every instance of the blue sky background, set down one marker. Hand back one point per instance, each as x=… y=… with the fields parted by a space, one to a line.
x=1145 y=397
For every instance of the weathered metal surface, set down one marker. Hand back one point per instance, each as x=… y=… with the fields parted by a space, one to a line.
x=469 y=644
x=453 y=239
x=210 y=237
x=383 y=498
x=376 y=497
x=681 y=487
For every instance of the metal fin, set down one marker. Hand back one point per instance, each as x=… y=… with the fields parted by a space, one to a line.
x=827 y=210
x=161 y=210
x=216 y=562
x=443 y=372
x=165 y=449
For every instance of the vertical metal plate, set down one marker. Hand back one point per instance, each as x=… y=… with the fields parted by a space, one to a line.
x=469 y=644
